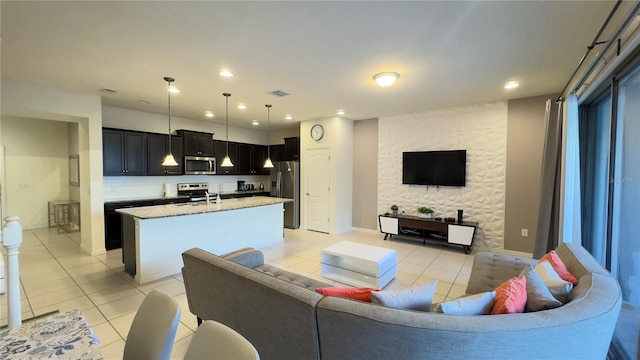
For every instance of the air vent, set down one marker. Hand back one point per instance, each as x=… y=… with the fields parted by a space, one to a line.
x=279 y=93
x=107 y=91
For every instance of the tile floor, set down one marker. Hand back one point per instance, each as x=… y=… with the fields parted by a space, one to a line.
x=56 y=275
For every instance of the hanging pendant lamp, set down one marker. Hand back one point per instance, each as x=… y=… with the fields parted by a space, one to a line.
x=226 y=162
x=268 y=164
x=169 y=160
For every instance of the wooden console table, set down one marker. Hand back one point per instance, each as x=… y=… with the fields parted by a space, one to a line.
x=440 y=231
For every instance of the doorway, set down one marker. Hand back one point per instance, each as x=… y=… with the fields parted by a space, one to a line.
x=317 y=189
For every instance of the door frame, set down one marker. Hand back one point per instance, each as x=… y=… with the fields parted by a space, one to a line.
x=303 y=187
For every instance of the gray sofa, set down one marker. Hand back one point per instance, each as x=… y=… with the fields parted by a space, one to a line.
x=284 y=318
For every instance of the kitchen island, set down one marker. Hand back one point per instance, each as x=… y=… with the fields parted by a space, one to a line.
x=154 y=237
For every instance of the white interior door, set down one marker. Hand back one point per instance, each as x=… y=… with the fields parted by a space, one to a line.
x=317 y=189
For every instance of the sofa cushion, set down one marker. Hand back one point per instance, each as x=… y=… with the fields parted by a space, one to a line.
x=491 y=269
x=478 y=304
x=293 y=278
x=538 y=295
x=558 y=265
x=362 y=294
x=559 y=288
x=417 y=297
x=511 y=296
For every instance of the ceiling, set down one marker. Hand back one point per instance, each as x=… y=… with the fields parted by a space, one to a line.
x=448 y=53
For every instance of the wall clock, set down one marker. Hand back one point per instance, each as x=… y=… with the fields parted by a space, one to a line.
x=317 y=132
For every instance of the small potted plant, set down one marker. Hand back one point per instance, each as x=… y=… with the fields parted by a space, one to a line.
x=394 y=209
x=425 y=212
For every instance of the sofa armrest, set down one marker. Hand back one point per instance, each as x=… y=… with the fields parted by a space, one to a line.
x=248 y=257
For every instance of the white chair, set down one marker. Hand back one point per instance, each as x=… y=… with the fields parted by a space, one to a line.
x=153 y=329
x=216 y=341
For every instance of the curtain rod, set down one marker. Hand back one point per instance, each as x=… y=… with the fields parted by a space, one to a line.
x=590 y=47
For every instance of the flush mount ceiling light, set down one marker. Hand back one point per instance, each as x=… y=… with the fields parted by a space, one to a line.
x=242 y=106
x=226 y=162
x=288 y=117
x=143 y=102
x=267 y=163
x=209 y=114
x=169 y=160
x=511 y=85
x=385 y=79
x=255 y=123
x=226 y=73
x=340 y=112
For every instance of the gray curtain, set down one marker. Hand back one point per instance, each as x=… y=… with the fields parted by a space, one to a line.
x=547 y=230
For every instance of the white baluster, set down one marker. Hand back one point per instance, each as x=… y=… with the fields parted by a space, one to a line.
x=12 y=239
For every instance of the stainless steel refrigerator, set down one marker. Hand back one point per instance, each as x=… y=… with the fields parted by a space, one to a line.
x=285 y=183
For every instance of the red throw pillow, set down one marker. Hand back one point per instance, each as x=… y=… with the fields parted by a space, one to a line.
x=557 y=265
x=511 y=296
x=362 y=294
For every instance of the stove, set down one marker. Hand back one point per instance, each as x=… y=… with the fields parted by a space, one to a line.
x=196 y=191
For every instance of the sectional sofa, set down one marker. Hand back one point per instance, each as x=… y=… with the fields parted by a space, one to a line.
x=284 y=318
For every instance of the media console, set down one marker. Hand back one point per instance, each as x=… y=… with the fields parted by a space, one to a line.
x=439 y=231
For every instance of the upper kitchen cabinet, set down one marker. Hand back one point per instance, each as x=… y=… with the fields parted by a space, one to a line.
x=251 y=159
x=277 y=152
x=124 y=152
x=292 y=149
x=158 y=148
x=220 y=148
x=197 y=143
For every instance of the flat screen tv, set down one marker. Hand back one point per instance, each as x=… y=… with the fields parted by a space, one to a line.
x=443 y=168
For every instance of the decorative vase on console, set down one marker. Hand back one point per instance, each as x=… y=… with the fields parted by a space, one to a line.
x=394 y=209
x=425 y=212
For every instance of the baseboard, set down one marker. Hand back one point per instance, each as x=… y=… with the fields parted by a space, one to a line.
x=370 y=231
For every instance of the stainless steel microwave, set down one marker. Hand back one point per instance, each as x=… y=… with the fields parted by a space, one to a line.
x=199 y=165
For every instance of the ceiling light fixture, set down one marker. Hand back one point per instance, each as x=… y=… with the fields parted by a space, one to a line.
x=385 y=79
x=169 y=160
x=242 y=106
x=511 y=85
x=226 y=73
x=209 y=114
x=288 y=117
x=143 y=102
x=340 y=112
x=255 y=123
x=267 y=163
x=226 y=162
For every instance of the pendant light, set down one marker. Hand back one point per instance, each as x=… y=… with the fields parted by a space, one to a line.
x=226 y=162
x=169 y=160
x=268 y=164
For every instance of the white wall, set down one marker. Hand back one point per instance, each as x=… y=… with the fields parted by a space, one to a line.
x=37 y=167
x=482 y=131
x=142 y=121
x=30 y=101
x=338 y=137
x=277 y=136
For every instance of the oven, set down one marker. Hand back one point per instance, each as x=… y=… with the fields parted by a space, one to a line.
x=199 y=165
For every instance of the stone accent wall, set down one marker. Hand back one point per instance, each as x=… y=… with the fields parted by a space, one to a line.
x=479 y=129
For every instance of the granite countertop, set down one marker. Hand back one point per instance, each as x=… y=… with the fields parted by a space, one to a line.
x=200 y=207
x=159 y=197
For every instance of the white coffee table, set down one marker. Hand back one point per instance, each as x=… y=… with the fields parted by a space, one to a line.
x=359 y=264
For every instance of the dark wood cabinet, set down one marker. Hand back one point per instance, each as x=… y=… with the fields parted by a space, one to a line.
x=220 y=149
x=251 y=159
x=124 y=152
x=197 y=143
x=158 y=148
x=292 y=149
x=277 y=152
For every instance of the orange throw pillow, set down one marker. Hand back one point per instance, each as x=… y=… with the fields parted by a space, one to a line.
x=511 y=296
x=557 y=265
x=362 y=294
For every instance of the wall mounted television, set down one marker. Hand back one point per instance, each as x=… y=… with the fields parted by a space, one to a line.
x=442 y=168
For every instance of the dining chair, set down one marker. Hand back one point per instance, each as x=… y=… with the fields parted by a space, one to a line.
x=216 y=341
x=153 y=329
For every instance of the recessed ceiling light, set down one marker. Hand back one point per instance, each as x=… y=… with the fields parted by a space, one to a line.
x=288 y=117
x=209 y=114
x=242 y=106
x=511 y=85
x=226 y=73
x=340 y=112
x=255 y=123
x=385 y=79
x=143 y=102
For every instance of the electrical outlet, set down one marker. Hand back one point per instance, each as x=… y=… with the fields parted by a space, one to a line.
x=525 y=232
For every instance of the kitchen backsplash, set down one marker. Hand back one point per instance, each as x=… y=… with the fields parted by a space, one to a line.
x=123 y=187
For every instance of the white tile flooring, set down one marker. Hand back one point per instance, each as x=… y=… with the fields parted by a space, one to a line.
x=56 y=275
